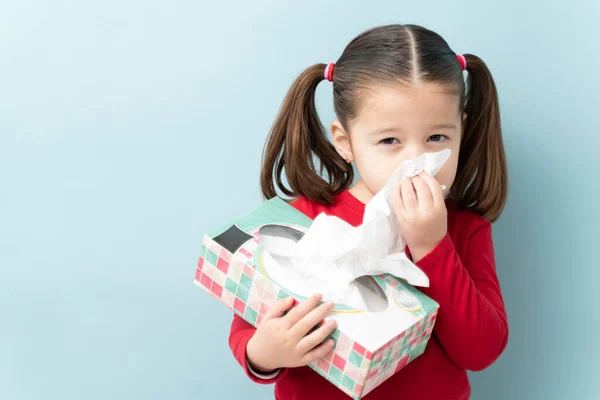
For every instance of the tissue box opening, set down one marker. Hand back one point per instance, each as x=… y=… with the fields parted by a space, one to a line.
x=363 y=292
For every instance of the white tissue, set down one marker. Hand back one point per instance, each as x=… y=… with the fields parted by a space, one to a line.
x=333 y=253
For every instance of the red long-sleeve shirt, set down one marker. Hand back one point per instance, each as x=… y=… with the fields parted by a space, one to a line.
x=470 y=333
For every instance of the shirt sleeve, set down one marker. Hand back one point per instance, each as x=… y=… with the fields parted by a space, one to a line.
x=240 y=334
x=471 y=325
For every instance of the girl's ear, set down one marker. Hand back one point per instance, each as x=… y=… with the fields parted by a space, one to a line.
x=341 y=141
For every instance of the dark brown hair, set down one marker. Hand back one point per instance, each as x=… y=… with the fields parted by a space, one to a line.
x=298 y=147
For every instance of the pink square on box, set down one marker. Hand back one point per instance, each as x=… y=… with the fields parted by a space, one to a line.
x=339 y=362
x=394 y=284
x=358 y=390
x=198 y=275
x=359 y=349
x=264 y=309
x=205 y=281
x=329 y=356
x=259 y=318
x=200 y=262
x=402 y=363
x=222 y=265
x=217 y=290
x=323 y=366
x=225 y=255
x=248 y=271
x=239 y=306
x=214 y=295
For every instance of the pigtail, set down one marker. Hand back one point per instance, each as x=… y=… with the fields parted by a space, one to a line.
x=482 y=182
x=296 y=137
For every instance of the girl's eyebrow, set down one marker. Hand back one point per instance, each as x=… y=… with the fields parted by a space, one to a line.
x=387 y=130
x=399 y=129
x=444 y=126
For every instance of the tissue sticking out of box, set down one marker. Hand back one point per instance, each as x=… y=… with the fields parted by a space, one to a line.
x=332 y=254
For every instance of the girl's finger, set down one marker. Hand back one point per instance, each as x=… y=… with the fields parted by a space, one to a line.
x=424 y=196
x=279 y=308
x=436 y=190
x=317 y=337
x=310 y=320
x=298 y=312
x=318 y=352
x=408 y=195
x=397 y=201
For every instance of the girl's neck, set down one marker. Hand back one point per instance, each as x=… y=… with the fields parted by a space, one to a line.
x=361 y=192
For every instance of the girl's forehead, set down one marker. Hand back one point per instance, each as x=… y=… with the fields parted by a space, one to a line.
x=408 y=104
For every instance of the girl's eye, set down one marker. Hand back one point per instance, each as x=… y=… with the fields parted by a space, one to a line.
x=437 y=138
x=389 y=141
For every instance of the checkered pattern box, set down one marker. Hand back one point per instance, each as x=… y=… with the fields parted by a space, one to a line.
x=370 y=347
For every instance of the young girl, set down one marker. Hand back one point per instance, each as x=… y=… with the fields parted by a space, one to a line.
x=398 y=92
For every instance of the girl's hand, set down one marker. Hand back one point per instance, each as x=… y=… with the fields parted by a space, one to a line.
x=421 y=211
x=285 y=341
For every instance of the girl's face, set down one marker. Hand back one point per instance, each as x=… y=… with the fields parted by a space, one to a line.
x=400 y=123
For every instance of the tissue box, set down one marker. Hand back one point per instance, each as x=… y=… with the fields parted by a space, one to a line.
x=370 y=346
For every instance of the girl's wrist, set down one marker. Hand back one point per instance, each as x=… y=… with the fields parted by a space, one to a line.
x=420 y=251
x=257 y=365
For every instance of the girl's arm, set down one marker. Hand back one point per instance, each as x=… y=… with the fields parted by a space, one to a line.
x=472 y=323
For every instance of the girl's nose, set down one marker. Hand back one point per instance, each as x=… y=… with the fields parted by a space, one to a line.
x=412 y=152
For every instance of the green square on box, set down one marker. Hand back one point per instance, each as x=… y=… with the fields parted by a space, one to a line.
x=335 y=334
x=348 y=383
x=335 y=374
x=242 y=294
x=211 y=257
x=250 y=315
x=231 y=286
x=246 y=282
x=356 y=359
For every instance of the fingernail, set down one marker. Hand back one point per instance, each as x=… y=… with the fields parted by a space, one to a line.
x=318 y=296
x=330 y=304
x=332 y=323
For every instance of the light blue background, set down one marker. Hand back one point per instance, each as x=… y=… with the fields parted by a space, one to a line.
x=120 y=122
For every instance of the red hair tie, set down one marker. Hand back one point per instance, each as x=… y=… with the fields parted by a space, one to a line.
x=329 y=72
x=462 y=60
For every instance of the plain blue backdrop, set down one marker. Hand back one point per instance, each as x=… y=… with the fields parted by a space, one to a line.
x=120 y=126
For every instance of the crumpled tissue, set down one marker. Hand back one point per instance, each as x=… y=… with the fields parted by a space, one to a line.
x=332 y=254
